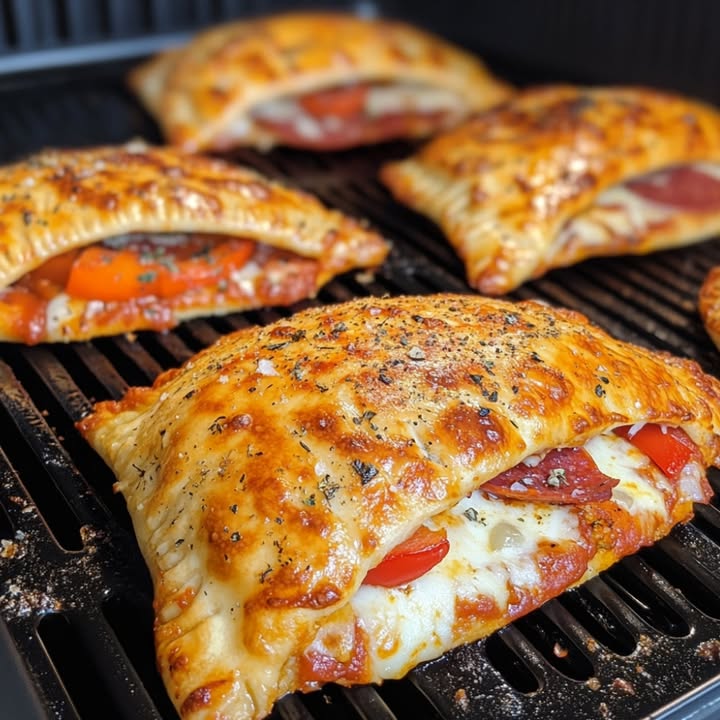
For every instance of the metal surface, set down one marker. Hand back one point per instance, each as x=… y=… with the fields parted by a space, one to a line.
x=642 y=639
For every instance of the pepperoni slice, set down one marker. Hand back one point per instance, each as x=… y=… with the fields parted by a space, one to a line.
x=354 y=130
x=566 y=476
x=684 y=187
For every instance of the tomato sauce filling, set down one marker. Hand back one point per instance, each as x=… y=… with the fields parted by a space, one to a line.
x=140 y=281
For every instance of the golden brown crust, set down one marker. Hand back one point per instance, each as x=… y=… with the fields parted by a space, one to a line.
x=503 y=184
x=196 y=91
x=709 y=304
x=267 y=475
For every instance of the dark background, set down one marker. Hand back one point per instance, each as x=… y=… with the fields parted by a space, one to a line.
x=666 y=43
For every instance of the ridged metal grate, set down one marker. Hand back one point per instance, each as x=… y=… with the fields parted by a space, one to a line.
x=76 y=599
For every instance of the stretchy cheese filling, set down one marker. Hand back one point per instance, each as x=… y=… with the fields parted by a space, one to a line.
x=505 y=554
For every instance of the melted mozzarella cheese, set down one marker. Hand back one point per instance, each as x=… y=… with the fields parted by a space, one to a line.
x=493 y=548
x=58 y=313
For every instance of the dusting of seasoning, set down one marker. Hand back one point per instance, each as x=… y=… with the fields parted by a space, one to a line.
x=328 y=488
x=265 y=573
x=217 y=426
x=366 y=471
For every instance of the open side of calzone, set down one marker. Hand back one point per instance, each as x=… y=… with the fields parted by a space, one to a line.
x=560 y=174
x=114 y=239
x=353 y=490
x=322 y=81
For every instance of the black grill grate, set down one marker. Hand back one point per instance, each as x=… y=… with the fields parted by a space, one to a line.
x=75 y=597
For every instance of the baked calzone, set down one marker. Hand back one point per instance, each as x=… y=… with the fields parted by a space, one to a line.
x=113 y=239
x=314 y=80
x=560 y=174
x=348 y=492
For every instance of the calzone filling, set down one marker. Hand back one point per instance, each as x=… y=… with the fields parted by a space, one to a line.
x=536 y=529
x=662 y=207
x=353 y=114
x=148 y=281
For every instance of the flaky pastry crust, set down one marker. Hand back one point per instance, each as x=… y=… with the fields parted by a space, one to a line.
x=502 y=185
x=270 y=472
x=196 y=91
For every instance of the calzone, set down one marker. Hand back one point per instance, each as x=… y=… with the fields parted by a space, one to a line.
x=315 y=80
x=353 y=490
x=560 y=174
x=114 y=239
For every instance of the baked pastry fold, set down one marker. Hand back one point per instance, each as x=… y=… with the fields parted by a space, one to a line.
x=559 y=174
x=355 y=489
x=311 y=79
x=114 y=239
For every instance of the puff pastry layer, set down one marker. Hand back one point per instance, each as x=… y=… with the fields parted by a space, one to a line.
x=560 y=174
x=272 y=471
x=221 y=88
x=59 y=201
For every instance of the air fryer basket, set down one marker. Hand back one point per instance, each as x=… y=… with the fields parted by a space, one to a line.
x=643 y=639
